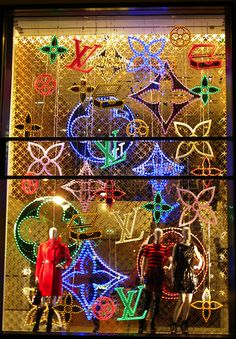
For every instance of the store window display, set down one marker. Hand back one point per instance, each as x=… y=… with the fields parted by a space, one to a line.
x=183 y=277
x=53 y=257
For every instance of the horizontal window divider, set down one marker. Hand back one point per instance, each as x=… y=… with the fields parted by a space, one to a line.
x=119 y=177
x=176 y=138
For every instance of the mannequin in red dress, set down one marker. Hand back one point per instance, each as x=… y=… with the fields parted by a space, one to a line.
x=53 y=256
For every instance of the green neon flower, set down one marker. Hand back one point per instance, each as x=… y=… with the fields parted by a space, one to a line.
x=157 y=207
x=53 y=50
x=204 y=90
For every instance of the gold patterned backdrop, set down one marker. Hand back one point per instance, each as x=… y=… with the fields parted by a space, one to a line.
x=139 y=87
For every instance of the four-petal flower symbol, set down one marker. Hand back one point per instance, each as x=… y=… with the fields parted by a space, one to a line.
x=45 y=160
x=185 y=148
x=53 y=49
x=158 y=206
x=197 y=206
x=204 y=90
x=206 y=305
x=67 y=308
x=143 y=55
x=28 y=127
x=109 y=193
x=206 y=170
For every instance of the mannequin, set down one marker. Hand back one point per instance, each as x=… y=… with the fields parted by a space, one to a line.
x=183 y=278
x=53 y=256
x=155 y=256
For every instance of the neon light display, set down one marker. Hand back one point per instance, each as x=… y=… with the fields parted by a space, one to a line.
x=201 y=60
x=157 y=207
x=155 y=98
x=53 y=49
x=148 y=58
x=88 y=278
x=205 y=90
x=199 y=208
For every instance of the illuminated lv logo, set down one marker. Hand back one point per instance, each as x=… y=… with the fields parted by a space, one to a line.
x=124 y=225
x=78 y=62
x=111 y=156
x=129 y=312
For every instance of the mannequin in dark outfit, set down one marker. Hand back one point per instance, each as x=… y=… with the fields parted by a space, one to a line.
x=51 y=254
x=155 y=257
x=182 y=278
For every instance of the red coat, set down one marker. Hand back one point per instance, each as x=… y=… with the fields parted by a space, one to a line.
x=51 y=253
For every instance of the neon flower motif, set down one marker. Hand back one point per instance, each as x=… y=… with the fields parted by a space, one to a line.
x=84 y=190
x=158 y=165
x=204 y=90
x=202 y=147
x=67 y=308
x=165 y=97
x=109 y=193
x=145 y=58
x=88 y=278
x=206 y=305
x=27 y=127
x=206 y=170
x=45 y=160
x=197 y=206
x=157 y=207
x=53 y=50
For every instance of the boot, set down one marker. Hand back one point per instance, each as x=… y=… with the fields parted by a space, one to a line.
x=142 y=326
x=39 y=313
x=184 y=326
x=153 y=327
x=49 y=320
x=173 y=328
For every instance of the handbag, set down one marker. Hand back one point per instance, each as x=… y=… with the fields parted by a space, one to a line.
x=36 y=297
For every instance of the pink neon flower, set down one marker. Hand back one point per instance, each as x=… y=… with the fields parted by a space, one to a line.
x=197 y=206
x=45 y=160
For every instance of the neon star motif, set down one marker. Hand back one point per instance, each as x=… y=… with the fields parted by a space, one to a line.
x=27 y=127
x=165 y=97
x=197 y=206
x=67 y=308
x=206 y=170
x=45 y=160
x=202 y=147
x=89 y=277
x=204 y=90
x=144 y=57
x=206 y=305
x=158 y=165
x=84 y=190
x=157 y=207
x=53 y=49
x=110 y=193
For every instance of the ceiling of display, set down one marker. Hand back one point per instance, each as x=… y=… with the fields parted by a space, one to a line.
x=117 y=25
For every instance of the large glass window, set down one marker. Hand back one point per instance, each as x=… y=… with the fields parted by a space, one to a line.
x=118 y=126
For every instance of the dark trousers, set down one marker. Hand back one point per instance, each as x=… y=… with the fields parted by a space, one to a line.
x=153 y=288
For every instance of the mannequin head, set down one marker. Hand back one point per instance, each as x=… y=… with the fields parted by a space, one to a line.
x=158 y=234
x=186 y=234
x=53 y=233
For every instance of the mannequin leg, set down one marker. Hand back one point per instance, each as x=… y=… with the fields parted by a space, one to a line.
x=155 y=311
x=177 y=311
x=39 y=313
x=185 y=313
x=49 y=320
x=148 y=300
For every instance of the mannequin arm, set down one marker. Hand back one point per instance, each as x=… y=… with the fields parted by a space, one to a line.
x=143 y=267
x=198 y=255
